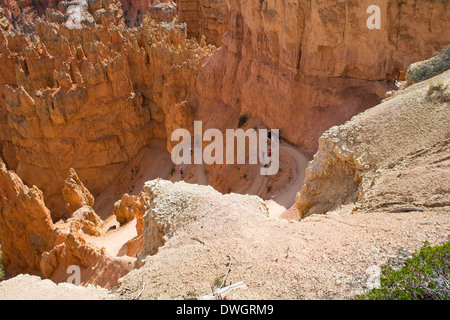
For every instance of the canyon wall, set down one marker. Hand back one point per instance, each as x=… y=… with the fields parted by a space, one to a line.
x=304 y=66
x=204 y=18
x=89 y=98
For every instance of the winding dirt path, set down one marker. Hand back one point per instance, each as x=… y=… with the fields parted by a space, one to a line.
x=285 y=198
x=154 y=161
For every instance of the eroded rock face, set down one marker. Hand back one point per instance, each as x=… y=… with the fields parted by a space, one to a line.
x=159 y=10
x=90 y=98
x=26 y=228
x=402 y=159
x=75 y=193
x=86 y=220
x=130 y=207
x=32 y=244
x=316 y=60
x=204 y=18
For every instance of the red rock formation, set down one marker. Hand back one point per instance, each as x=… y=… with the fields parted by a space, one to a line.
x=26 y=228
x=130 y=207
x=91 y=98
x=304 y=66
x=75 y=193
x=32 y=244
x=160 y=10
x=204 y=18
x=90 y=94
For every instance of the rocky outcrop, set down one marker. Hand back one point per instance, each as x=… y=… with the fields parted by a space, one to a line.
x=204 y=18
x=316 y=60
x=159 y=10
x=91 y=98
x=424 y=70
x=173 y=207
x=75 y=193
x=130 y=207
x=32 y=244
x=26 y=228
x=393 y=154
x=96 y=266
x=86 y=220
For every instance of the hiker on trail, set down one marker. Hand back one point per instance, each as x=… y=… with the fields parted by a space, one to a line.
x=270 y=159
x=181 y=172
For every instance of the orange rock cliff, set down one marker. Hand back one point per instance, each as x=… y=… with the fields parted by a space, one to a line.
x=81 y=96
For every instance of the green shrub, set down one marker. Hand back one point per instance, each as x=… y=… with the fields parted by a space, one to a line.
x=425 y=276
x=2 y=272
x=425 y=70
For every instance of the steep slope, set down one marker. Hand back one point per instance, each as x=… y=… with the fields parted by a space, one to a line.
x=196 y=238
x=304 y=66
x=401 y=160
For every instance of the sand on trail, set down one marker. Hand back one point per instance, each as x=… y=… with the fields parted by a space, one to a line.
x=154 y=161
x=285 y=198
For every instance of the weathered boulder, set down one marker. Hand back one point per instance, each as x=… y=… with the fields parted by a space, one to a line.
x=173 y=207
x=130 y=207
x=75 y=193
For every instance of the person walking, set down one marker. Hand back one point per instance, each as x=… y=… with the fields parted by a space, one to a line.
x=181 y=172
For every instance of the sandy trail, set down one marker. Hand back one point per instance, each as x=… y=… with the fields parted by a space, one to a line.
x=154 y=161
x=114 y=240
x=285 y=197
x=200 y=174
